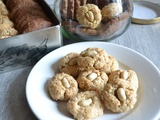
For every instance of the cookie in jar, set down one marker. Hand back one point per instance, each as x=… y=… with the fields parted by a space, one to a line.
x=94 y=19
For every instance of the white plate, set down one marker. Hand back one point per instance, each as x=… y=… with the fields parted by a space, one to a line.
x=145 y=12
x=147 y=107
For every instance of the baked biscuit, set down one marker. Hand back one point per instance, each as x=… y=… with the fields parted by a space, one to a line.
x=111 y=65
x=2 y=37
x=37 y=24
x=68 y=64
x=127 y=77
x=71 y=4
x=92 y=80
x=85 y=105
x=64 y=8
x=3 y=9
x=8 y=32
x=92 y=58
x=119 y=98
x=111 y=10
x=89 y=15
x=5 y=22
x=62 y=86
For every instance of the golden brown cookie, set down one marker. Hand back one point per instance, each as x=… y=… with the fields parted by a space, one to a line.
x=62 y=86
x=92 y=80
x=71 y=4
x=127 y=77
x=92 y=58
x=8 y=32
x=111 y=10
x=85 y=105
x=3 y=9
x=68 y=64
x=37 y=24
x=89 y=15
x=111 y=65
x=2 y=37
x=5 y=22
x=119 y=98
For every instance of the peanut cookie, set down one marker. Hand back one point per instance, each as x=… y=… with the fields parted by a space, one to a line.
x=85 y=105
x=111 y=65
x=5 y=22
x=2 y=37
x=119 y=98
x=92 y=80
x=89 y=15
x=62 y=86
x=3 y=9
x=68 y=64
x=92 y=58
x=98 y=59
x=111 y=10
x=8 y=32
x=127 y=77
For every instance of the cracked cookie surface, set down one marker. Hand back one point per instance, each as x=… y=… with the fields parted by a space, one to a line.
x=89 y=15
x=85 y=105
x=62 y=86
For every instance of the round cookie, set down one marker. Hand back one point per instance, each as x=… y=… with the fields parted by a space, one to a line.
x=68 y=64
x=111 y=65
x=5 y=22
x=92 y=58
x=2 y=37
x=119 y=98
x=37 y=24
x=85 y=105
x=62 y=86
x=111 y=10
x=92 y=80
x=8 y=32
x=89 y=15
x=127 y=77
x=3 y=9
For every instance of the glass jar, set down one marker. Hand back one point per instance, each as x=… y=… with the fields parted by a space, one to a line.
x=93 y=19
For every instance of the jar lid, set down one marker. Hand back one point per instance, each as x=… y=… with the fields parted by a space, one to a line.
x=145 y=12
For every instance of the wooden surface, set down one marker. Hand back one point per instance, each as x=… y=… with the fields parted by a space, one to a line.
x=145 y=39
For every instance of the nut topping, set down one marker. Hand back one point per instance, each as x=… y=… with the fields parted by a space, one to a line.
x=121 y=94
x=85 y=102
x=65 y=83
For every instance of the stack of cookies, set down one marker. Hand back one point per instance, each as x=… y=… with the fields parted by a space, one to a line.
x=90 y=80
x=27 y=15
x=6 y=25
x=101 y=18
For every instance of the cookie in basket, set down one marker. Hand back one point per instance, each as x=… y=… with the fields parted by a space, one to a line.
x=85 y=105
x=8 y=32
x=3 y=9
x=62 y=86
x=68 y=64
x=5 y=22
